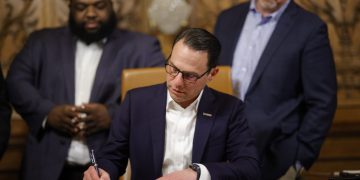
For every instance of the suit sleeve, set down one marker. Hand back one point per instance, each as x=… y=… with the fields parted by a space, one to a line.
x=22 y=85
x=320 y=89
x=5 y=115
x=143 y=51
x=157 y=58
x=114 y=155
x=241 y=154
x=149 y=52
x=218 y=25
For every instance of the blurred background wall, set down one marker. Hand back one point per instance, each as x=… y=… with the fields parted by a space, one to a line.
x=163 y=19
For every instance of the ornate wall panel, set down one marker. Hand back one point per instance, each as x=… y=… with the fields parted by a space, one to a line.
x=18 y=18
x=343 y=19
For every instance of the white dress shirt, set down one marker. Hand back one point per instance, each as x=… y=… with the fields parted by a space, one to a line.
x=87 y=59
x=179 y=136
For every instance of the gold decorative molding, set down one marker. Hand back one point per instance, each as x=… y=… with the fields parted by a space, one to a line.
x=20 y=17
x=13 y=28
x=206 y=11
x=343 y=20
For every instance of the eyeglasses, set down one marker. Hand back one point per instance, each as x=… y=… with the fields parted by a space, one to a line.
x=187 y=76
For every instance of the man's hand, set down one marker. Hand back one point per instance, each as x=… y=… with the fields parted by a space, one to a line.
x=186 y=174
x=63 y=118
x=91 y=174
x=97 y=117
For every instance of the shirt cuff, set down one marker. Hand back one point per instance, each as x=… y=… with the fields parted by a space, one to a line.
x=205 y=175
x=299 y=168
x=43 y=124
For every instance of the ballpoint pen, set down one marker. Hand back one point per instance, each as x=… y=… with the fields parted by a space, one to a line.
x=93 y=162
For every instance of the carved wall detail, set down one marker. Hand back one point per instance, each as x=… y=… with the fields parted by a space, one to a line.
x=14 y=27
x=343 y=19
x=20 y=17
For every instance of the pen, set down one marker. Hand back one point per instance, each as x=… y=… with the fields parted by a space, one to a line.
x=93 y=162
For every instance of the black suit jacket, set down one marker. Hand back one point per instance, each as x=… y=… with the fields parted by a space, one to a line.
x=43 y=76
x=5 y=114
x=222 y=142
x=291 y=99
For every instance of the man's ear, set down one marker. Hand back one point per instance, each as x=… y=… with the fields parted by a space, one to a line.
x=213 y=72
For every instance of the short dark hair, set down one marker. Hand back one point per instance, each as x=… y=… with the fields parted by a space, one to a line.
x=201 y=40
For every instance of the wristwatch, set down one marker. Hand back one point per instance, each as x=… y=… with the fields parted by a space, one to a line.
x=197 y=169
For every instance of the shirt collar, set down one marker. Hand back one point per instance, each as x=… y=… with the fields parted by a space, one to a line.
x=273 y=16
x=100 y=43
x=171 y=104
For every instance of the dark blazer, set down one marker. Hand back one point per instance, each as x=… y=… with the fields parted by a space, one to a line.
x=291 y=99
x=5 y=114
x=222 y=142
x=42 y=76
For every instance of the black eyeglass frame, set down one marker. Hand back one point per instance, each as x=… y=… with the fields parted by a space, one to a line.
x=186 y=76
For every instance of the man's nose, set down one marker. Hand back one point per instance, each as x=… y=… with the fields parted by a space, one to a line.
x=90 y=12
x=178 y=79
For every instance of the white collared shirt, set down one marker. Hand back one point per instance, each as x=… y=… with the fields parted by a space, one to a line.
x=87 y=59
x=179 y=136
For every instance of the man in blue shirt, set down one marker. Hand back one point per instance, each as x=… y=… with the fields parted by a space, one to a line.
x=283 y=69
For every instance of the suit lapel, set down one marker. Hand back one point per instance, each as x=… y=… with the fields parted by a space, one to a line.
x=205 y=119
x=238 y=24
x=157 y=127
x=110 y=50
x=282 y=29
x=68 y=49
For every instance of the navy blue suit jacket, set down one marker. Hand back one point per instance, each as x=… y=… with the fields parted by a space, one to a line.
x=291 y=99
x=222 y=142
x=42 y=76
